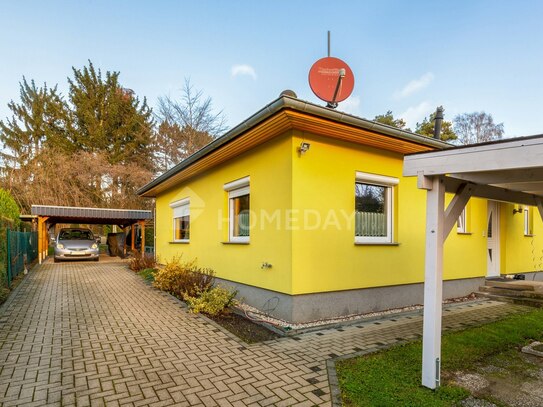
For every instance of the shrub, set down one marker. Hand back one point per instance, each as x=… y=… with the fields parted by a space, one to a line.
x=184 y=279
x=9 y=208
x=212 y=302
x=142 y=261
x=4 y=292
x=148 y=274
x=9 y=219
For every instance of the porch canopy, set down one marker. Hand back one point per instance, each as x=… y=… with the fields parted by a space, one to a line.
x=51 y=215
x=506 y=170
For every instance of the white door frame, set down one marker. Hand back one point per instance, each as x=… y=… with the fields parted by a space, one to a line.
x=493 y=243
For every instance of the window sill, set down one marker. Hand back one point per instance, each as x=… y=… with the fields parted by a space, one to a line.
x=241 y=243
x=530 y=235
x=464 y=233
x=376 y=243
x=180 y=242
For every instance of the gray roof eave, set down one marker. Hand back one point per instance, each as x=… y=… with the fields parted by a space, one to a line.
x=284 y=102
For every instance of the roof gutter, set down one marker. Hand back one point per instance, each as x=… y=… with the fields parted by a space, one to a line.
x=355 y=121
x=259 y=116
x=287 y=102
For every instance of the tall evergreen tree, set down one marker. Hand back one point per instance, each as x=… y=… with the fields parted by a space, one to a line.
x=109 y=118
x=389 y=119
x=426 y=128
x=94 y=149
x=40 y=119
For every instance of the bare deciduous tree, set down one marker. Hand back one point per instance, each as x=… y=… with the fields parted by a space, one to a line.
x=57 y=177
x=477 y=127
x=186 y=125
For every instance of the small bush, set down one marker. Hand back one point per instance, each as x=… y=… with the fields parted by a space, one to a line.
x=142 y=261
x=184 y=279
x=4 y=293
x=8 y=208
x=9 y=219
x=148 y=274
x=212 y=302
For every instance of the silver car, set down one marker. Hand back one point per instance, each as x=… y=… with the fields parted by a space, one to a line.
x=76 y=243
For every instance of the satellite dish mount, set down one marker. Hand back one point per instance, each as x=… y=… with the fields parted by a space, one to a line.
x=331 y=79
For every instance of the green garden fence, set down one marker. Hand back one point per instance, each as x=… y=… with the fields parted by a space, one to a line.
x=22 y=250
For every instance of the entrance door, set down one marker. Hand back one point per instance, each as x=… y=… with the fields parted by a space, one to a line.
x=493 y=239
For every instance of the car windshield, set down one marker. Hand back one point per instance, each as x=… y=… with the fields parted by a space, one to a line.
x=75 y=235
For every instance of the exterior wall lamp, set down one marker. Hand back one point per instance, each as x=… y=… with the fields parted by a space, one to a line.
x=304 y=147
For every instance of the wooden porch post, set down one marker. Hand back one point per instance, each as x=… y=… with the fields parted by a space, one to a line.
x=433 y=284
x=142 y=226
x=43 y=239
x=40 y=238
x=133 y=234
x=125 y=234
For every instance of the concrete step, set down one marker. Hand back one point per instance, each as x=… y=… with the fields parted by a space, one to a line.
x=510 y=285
x=511 y=293
x=531 y=302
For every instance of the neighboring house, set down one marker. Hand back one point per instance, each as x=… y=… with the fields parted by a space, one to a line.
x=304 y=210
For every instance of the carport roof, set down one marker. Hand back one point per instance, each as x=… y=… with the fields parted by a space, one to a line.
x=508 y=170
x=70 y=214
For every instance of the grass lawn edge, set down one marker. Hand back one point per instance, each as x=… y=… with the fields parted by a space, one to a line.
x=467 y=340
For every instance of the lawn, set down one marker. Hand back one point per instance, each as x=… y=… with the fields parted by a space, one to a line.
x=392 y=377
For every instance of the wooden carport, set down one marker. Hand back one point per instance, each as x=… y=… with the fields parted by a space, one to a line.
x=507 y=171
x=51 y=215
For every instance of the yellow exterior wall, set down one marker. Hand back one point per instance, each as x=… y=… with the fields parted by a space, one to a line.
x=303 y=208
x=523 y=253
x=327 y=259
x=269 y=167
x=465 y=254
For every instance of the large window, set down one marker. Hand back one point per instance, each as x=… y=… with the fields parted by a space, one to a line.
x=181 y=220
x=374 y=200
x=238 y=210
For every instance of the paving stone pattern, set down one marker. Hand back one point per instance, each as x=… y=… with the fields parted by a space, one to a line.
x=79 y=334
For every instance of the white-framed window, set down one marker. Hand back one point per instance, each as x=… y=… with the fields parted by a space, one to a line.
x=374 y=208
x=461 y=226
x=181 y=220
x=239 y=206
x=528 y=225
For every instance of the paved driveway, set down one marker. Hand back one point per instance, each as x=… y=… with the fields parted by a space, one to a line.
x=95 y=334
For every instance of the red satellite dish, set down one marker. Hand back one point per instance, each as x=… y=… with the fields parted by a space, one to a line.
x=331 y=80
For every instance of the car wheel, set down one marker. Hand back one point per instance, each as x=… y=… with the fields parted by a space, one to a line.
x=56 y=260
x=96 y=259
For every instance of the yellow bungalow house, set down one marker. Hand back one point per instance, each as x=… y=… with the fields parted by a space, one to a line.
x=304 y=210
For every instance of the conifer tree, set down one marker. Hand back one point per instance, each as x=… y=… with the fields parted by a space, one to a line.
x=95 y=149
x=109 y=118
x=40 y=119
x=426 y=128
x=389 y=119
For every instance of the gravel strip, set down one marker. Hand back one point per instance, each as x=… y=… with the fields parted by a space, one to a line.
x=258 y=316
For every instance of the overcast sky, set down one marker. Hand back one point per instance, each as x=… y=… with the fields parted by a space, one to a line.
x=407 y=56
